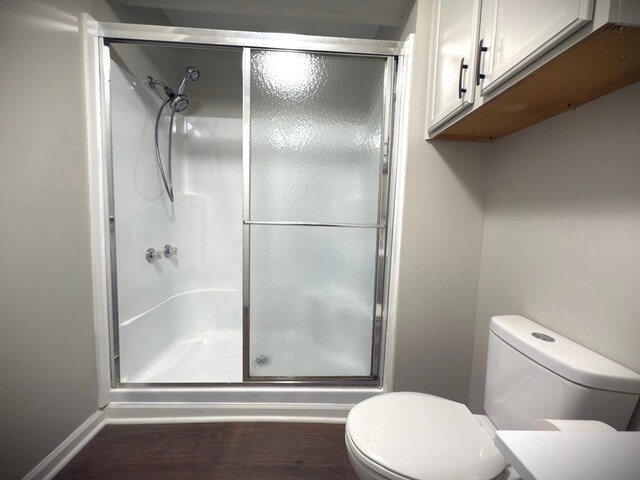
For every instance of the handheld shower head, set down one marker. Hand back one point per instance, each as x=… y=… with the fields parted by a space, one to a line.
x=191 y=73
x=179 y=103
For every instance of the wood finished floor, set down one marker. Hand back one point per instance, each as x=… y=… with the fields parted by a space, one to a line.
x=221 y=451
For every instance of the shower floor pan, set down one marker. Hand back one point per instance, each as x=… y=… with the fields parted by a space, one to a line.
x=192 y=337
x=210 y=357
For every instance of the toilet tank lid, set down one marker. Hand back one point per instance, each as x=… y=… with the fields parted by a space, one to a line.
x=563 y=356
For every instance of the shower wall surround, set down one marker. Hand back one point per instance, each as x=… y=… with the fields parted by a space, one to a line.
x=192 y=300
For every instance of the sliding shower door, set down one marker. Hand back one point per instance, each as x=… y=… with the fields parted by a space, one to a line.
x=316 y=181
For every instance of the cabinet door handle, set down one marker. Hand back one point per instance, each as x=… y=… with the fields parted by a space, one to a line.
x=481 y=49
x=463 y=67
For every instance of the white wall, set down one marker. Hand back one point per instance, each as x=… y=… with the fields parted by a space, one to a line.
x=271 y=23
x=442 y=237
x=562 y=230
x=47 y=356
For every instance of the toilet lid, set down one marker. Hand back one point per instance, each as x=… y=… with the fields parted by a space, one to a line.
x=423 y=437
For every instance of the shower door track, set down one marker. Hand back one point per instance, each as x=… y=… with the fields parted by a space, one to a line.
x=154 y=34
x=97 y=36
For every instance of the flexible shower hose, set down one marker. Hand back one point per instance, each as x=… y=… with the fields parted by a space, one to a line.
x=167 y=179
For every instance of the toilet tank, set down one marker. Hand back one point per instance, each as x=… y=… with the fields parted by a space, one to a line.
x=534 y=373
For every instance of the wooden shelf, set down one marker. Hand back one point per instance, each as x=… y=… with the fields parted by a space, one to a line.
x=601 y=63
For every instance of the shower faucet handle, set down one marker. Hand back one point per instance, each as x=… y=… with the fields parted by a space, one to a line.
x=170 y=251
x=152 y=254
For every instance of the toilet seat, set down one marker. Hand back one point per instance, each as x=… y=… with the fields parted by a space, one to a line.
x=414 y=436
x=373 y=471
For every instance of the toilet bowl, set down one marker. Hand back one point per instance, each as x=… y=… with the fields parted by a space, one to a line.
x=402 y=436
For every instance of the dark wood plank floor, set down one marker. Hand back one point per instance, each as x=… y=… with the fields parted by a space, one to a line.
x=218 y=451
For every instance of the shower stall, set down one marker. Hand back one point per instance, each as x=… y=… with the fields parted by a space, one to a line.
x=247 y=192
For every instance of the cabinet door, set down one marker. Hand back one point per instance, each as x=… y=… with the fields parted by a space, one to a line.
x=516 y=32
x=454 y=34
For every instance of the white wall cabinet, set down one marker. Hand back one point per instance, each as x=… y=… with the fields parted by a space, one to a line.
x=484 y=54
x=515 y=32
x=453 y=60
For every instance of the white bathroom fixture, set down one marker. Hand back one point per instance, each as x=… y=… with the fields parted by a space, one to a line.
x=562 y=455
x=408 y=435
x=535 y=373
x=532 y=374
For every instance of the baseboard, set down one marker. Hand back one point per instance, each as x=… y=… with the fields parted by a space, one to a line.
x=129 y=413
x=136 y=413
x=64 y=452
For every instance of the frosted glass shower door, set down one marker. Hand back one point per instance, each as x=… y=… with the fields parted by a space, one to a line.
x=316 y=178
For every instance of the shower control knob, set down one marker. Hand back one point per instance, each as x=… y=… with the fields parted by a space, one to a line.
x=152 y=254
x=170 y=251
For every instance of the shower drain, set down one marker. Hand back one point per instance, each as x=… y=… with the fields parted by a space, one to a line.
x=262 y=360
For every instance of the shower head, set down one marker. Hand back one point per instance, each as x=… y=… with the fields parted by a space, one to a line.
x=179 y=103
x=190 y=73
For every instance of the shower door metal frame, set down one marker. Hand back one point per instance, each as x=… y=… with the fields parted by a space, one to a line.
x=105 y=72
x=99 y=34
x=382 y=254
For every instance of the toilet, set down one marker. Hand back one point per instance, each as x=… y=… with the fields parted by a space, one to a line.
x=535 y=379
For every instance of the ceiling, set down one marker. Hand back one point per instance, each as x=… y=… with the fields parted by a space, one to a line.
x=336 y=18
